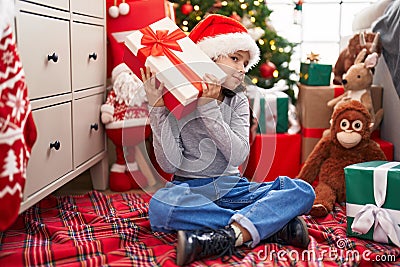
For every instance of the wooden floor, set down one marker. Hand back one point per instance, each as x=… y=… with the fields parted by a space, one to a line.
x=81 y=185
x=78 y=186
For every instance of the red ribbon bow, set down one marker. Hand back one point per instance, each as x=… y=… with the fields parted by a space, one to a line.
x=160 y=43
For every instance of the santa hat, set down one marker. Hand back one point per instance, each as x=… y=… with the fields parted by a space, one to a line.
x=219 y=35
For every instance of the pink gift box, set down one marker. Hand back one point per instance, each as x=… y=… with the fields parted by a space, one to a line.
x=176 y=61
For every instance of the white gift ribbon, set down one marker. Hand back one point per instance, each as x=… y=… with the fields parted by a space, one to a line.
x=271 y=111
x=386 y=221
x=256 y=93
x=252 y=92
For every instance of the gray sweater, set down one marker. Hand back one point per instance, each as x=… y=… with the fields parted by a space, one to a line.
x=211 y=141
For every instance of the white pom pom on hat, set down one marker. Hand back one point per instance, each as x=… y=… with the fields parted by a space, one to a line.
x=220 y=35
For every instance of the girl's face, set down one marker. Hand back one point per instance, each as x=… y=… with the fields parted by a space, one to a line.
x=234 y=66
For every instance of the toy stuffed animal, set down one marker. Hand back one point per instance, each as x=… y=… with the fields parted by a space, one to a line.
x=125 y=115
x=368 y=41
x=357 y=82
x=348 y=143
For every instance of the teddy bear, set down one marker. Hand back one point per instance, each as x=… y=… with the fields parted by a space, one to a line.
x=125 y=115
x=348 y=143
x=357 y=82
x=369 y=41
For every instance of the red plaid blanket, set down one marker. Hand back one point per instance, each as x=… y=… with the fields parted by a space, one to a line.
x=103 y=230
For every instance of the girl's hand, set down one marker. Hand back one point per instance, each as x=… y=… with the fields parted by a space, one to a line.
x=154 y=95
x=211 y=89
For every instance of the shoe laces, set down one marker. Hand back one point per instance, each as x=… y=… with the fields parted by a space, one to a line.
x=222 y=246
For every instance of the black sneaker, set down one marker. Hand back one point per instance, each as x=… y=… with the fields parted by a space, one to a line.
x=196 y=245
x=294 y=233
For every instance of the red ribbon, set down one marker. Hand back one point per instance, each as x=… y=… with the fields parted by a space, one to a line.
x=160 y=43
x=313 y=132
x=337 y=91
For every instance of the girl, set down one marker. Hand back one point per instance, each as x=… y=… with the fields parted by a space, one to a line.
x=208 y=204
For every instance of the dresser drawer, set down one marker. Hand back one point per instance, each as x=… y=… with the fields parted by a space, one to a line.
x=43 y=43
x=46 y=163
x=61 y=4
x=93 y=8
x=88 y=129
x=88 y=56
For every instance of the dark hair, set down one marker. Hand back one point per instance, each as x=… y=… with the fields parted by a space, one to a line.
x=231 y=93
x=228 y=93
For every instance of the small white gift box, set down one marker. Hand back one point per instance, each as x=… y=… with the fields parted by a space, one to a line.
x=176 y=60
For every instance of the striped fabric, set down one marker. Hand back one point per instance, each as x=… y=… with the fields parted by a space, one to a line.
x=103 y=230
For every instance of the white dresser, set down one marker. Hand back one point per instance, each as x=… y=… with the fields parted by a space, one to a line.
x=62 y=45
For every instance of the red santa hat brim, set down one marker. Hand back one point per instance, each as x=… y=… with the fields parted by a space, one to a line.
x=219 y=35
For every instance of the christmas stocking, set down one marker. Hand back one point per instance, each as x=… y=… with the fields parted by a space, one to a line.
x=17 y=130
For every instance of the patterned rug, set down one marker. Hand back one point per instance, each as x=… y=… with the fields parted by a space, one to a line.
x=113 y=230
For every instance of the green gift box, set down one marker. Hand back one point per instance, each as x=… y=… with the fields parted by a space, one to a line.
x=372 y=201
x=271 y=109
x=315 y=74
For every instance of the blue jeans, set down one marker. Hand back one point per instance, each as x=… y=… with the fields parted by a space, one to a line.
x=213 y=203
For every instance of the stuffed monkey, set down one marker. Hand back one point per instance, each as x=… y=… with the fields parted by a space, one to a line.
x=357 y=82
x=125 y=115
x=368 y=41
x=348 y=143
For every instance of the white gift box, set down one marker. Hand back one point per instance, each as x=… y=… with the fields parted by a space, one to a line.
x=165 y=49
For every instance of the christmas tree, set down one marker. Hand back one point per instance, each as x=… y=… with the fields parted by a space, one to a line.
x=275 y=50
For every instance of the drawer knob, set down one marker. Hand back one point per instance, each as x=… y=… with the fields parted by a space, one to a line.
x=94 y=126
x=53 y=57
x=93 y=55
x=56 y=145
